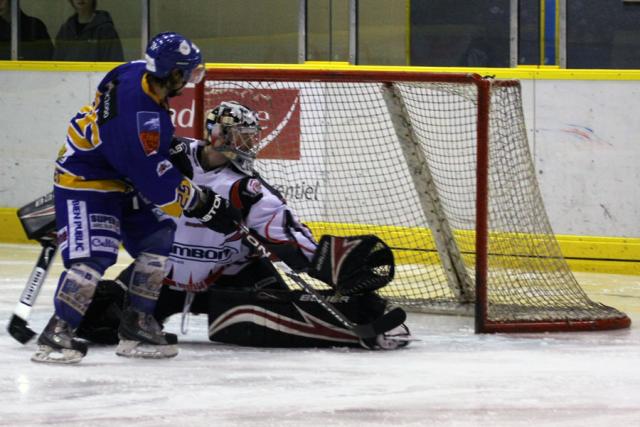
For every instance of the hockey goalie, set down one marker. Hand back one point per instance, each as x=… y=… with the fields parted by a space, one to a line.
x=244 y=296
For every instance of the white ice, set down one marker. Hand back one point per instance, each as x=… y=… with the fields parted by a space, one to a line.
x=451 y=377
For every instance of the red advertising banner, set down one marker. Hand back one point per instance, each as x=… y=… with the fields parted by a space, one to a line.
x=183 y=109
x=278 y=111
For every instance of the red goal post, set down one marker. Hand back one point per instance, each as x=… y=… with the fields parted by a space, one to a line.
x=436 y=164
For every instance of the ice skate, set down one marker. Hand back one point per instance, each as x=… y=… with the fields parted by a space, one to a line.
x=141 y=337
x=396 y=338
x=57 y=344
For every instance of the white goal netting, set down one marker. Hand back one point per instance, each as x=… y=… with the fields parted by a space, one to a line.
x=400 y=160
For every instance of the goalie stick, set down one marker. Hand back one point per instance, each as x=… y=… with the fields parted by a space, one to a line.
x=384 y=323
x=18 y=327
x=38 y=220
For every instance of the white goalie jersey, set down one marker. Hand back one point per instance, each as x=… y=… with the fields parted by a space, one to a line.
x=199 y=255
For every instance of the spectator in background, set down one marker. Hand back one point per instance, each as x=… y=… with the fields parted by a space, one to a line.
x=88 y=35
x=477 y=54
x=34 y=41
x=489 y=44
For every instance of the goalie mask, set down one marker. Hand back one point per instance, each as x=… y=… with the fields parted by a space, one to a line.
x=233 y=130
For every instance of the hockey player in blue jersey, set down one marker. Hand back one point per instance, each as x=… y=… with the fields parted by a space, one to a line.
x=115 y=147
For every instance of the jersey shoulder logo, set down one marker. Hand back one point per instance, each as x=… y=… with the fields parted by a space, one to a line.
x=149 y=131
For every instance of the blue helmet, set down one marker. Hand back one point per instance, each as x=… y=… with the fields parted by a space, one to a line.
x=169 y=51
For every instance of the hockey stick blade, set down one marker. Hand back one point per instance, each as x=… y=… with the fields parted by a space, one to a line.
x=388 y=321
x=19 y=329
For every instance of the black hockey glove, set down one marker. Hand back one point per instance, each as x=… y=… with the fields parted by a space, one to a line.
x=215 y=212
x=353 y=265
x=178 y=156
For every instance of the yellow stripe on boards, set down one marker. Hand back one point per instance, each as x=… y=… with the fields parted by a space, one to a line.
x=522 y=72
x=616 y=255
x=612 y=255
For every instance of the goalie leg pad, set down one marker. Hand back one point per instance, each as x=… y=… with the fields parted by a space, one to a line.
x=287 y=319
x=102 y=319
x=353 y=265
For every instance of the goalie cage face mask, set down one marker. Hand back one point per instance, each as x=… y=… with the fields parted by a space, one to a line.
x=233 y=130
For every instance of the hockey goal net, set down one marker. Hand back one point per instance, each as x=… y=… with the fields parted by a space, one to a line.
x=438 y=166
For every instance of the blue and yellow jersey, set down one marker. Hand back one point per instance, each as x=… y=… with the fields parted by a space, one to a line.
x=121 y=141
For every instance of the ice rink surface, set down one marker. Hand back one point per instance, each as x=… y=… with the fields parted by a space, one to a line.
x=451 y=377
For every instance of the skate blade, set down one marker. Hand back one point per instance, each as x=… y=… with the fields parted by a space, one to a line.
x=404 y=339
x=137 y=349
x=46 y=354
x=395 y=342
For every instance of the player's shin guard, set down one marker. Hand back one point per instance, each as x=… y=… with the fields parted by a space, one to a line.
x=57 y=343
x=139 y=333
x=75 y=292
x=145 y=281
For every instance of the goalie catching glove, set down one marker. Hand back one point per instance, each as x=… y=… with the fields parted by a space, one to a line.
x=353 y=265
